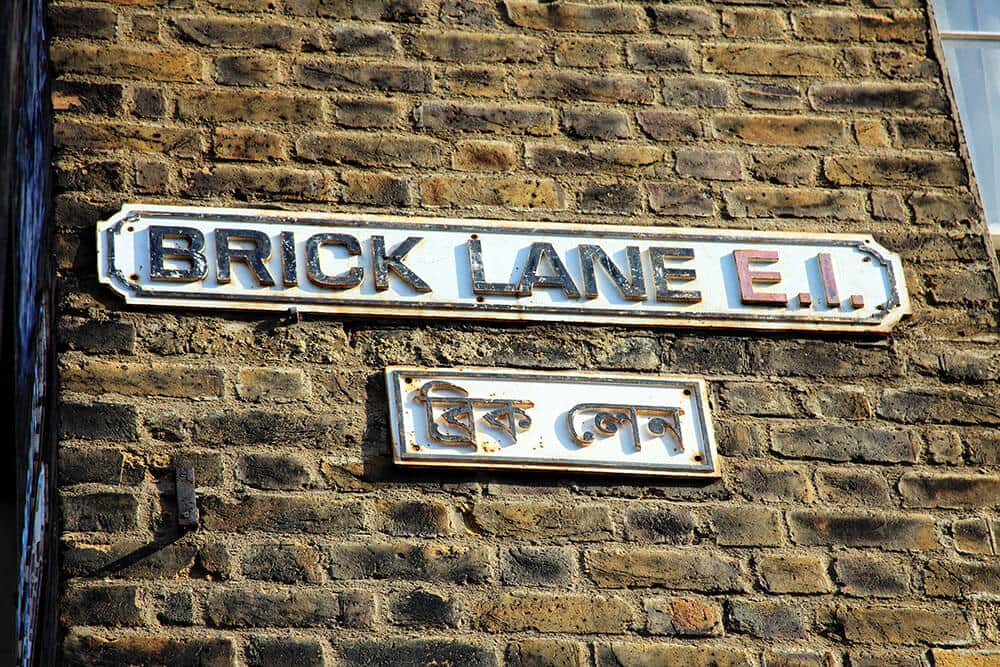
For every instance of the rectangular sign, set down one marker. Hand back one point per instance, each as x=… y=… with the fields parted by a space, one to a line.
x=590 y=422
x=421 y=267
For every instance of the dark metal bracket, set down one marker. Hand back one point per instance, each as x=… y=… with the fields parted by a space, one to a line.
x=187 y=503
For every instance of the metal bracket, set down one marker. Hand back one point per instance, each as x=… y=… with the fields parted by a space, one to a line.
x=187 y=502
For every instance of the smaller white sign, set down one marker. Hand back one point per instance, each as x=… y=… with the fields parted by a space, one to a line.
x=590 y=422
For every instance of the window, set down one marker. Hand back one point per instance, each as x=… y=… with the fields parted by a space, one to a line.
x=970 y=35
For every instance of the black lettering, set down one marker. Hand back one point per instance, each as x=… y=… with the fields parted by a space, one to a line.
x=197 y=267
x=350 y=278
x=632 y=288
x=382 y=264
x=530 y=278
x=253 y=257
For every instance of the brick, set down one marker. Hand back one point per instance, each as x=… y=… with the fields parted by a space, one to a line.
x=943 y=658
x=768 y=619
x=796 y=574
x=961 y=578
x=296 y=608
x=176 y=608
x=276 y=651
x=567 y=85
x=403 y=11
x=853 y=487
x=78 y=136
x=972 y=366
x=961 y=287
x=871 y=134
x=285 y=563
x=844 y=402
x=757 y=202
x=527 y=521
x=247 y=70
x=476 y=13
x=944 y=448
x=243 y=5
x=90 y=98
x=421 y=608
x=576 y=17
x=344 y=75
x=683 y=617
x=282 y=385
x=98 y=421
x=595 y=158
x=247 y=106
x=826 y=360
x=755 y=398
x=709 y=164
x=748 y=526
x=148 y=103
x=367 y=112
x=272 y=471
x=152 y=176
x=572 y=613
x=376 y=189
x=282 y=514
x=851 y=528
x=842 y=26
x=898 y=170
x=877 y=97
x=84 y=22
x=665 y=568
x=258 y=427
x=113 y=606
x=659 y=55
x=923 y=133
x=468 y=47
x=785 y=169
x=771 y=60
x=398 y=560
x=672 y=20
x=905 y=64
x=666 y=525
x=364 y=40
x=146 y=27
x=484 y=156
x=513 y=192
x=772 y=483
x=398 y=651
x=175 y=561
x=845 y=443
x=90 y=175
x=678 y=199
x=810 y=131
x=406 y=517
x=84 y=648
x=587 y=53
x=248 y=144
x=590 y=123
x=949 y=406
x=620 y=198
x=905 y=625
x=127 y=63
x=868 y=575
x=754 y=22
x=139 y=379
x=634 y=654
x=546 y=653
x=372 y=149
x=474 y=81
x=767 y=96
x=244 y=33
x=952 y=490
x=538 y=566
x=505 y=118
x=104 y=466
x=690 y=91
x=669 y=125
x=357 y=609
x=246 y=182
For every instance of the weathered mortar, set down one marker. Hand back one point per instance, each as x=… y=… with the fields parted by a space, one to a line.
x=855 y=522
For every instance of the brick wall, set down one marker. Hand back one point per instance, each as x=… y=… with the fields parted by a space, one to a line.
x=854 y=522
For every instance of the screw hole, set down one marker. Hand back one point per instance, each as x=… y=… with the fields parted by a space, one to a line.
x=474 y=237
x=687 y=392
x=866 y=259
x=698 y=458
x=408 y=380
x=480 y=299
x=130 y=228
x=134 y=277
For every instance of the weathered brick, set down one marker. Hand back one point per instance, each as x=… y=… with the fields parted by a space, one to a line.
x=538 y=566
x=527 y=520
x=976 y=536
x=152 y=176
x=246 y=182
x=669 y=125
x=141 y=379
x=948 y=578
x=514 y=192
x=176 y=608
x=758 y=202
x=631 y=654
x=659 y=55
x=296 y=608
x=421 y=608
x=127 y=63
x=364 y=40
x=105 y=466
x=372 y=149
x=961 y=287
x=683 y=617
x=148 y=103
x=877 y=97
x=475 y=81
x=406 y=517
x=282 y=514
x=844 y=26
x=367 y=112
x=952 y=490
x=80 y=136
x=273 y=471
x=98 y=421
x=84 y=97
x=771 y=59
x=250 y=427
x=178 y=560
x=395 y=651
x=276 y=651
x=567 y=85
x=477 y=13
x=768 y=619
x=679 y=199
x=84 y=22
x=868 y=575
x=594 y=158
x=545 y=653
x=843 y=402
x=708 y=164
x=773 y=483
x=621 y=198
x=769 y=96
x=851 y=528
x=398 y=560
x=90 y=175
x=845 y=443
x=757 y=398
x=344 y=75
x=748 y=526
x=286 y=563
x=785 y=169
x=84 y=648
x=826 y=360
x=943 y=658
x=576 y=17
x=896 y=170
x=248 y=106
x=901 y=63
x=666 y=525
x=404 y=11
x=247 y=70
x=114 y=606
x=674 y=20
x=574 y=613
x=794 y=574
x=505 y=118
x=947 y=406
x=691 y=91
x=754 y=22
x=853 y=487
x=248 y=144
x=376 y=189
x=665 y=568
x=811 y=131
x=905 y=625
x=484 y=156
x=244 y=33
x=587 y=53
x=591 y=123
x=924 y=133
x=281 y=385
x=469 y=47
